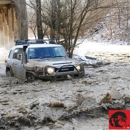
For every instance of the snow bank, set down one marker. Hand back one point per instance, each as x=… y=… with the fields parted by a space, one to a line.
x=88 y=46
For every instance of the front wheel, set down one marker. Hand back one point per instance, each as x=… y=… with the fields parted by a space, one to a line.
x=30 y=77
x=82 y=74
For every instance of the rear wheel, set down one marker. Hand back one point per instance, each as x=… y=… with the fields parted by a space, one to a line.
x=8 y=72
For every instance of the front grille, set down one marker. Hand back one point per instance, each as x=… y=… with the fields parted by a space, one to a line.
x=65 y=69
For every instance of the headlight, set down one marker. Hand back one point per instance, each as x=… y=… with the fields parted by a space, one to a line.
x=50 y=70
x=78 y=67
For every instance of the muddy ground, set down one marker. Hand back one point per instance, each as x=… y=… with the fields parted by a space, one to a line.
x=72 y=104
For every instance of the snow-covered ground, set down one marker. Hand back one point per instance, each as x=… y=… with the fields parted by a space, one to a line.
x=88 y=46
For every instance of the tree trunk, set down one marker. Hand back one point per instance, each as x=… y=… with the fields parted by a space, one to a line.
x=22 y=19
x=53 y=19
x=38 y=19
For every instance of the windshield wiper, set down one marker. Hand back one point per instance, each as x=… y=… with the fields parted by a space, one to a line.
x=58 y=56
x=50 y=57
x=46 y=57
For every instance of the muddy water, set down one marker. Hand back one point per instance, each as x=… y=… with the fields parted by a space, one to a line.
x=25 y=105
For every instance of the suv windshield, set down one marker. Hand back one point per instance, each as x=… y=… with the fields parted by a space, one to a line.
x=46 y=52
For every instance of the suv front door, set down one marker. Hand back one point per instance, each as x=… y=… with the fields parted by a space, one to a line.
x=17 y=65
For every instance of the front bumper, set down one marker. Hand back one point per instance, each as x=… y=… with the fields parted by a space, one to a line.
x=62 y=75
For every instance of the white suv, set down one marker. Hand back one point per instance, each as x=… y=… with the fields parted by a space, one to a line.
x=30 y=60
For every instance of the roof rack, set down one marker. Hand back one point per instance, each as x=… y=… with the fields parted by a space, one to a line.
x=35 y=41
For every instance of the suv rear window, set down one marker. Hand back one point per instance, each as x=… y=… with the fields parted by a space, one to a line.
x=16 y=52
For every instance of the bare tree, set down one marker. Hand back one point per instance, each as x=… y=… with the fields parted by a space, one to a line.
x=32 y=21
x=71 y=17
x=35 y=24
x=119 y=24
x=38 y=19
x=68 y=20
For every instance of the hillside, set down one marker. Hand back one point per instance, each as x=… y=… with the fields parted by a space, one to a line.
x=114 y=29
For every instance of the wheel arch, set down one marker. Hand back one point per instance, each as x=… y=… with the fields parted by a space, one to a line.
x=8 y=68
x=30 y=73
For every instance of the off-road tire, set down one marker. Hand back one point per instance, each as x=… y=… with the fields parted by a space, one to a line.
x=82 y=74
x=30 y=77
x=9 y=73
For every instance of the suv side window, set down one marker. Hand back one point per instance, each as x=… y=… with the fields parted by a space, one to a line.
x=16 y=52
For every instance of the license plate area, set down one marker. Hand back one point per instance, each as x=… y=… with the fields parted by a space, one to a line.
x=66 y=69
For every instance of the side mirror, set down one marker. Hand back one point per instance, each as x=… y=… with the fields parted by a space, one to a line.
x=19 y=56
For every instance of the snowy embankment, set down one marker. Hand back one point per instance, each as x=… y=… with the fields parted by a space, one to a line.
x=88 y=46
x=102 y=50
